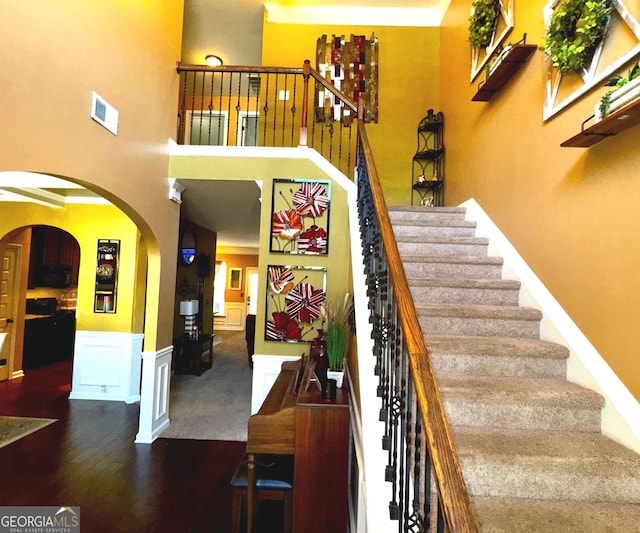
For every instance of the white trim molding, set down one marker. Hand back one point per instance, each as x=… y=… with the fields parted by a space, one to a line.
x=586 y=367
x=107 y=366
x=154 y=402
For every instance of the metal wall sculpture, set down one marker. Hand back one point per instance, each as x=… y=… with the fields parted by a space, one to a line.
x=351 y=67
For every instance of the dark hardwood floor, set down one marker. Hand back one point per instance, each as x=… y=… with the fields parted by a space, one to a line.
x=88 y=458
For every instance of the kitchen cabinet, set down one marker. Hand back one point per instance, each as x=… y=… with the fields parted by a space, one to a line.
x=48 y=339
x=55 y=258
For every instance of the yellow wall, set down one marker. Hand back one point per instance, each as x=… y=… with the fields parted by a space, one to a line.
x=54 y=55
x=408 y=79
x=572 y=213
x=338 y=260
x=88 y=223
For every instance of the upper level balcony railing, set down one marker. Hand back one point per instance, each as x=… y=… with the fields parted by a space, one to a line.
x=266 y=106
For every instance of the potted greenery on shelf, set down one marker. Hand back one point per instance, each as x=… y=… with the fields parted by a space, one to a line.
x=337 y=329
x=625 y=92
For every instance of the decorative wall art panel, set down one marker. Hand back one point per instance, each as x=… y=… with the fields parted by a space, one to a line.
x=300 y=217
x=490 y=23
x=611 y=44
x=352 y=68
x=295 y=296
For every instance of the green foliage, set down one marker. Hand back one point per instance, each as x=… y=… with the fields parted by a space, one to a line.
x=575 y=29
x=337 y=328
x=482 y=23
x=616 y=81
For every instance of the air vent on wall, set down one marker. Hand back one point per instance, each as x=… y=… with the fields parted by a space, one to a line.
x=104 y=113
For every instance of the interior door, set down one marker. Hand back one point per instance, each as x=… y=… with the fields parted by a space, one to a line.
x=252 y=290
x=8 y=298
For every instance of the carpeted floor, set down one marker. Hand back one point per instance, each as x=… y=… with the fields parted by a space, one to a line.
x=13 y=428
x=217 y=404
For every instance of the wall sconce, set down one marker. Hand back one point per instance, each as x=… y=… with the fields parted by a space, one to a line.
x=189 y=309
x=213 y=60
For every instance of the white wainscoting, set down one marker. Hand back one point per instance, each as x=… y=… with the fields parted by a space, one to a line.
x=107 y=366
x=154 y=404
x=265 y=371
x=233 y=318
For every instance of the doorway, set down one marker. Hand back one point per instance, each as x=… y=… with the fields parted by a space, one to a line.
x=11 y=264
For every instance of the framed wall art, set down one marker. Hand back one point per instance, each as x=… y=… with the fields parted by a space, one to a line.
x=106 y=276
x=235 y=279
x=300 y=217
x=295 y=296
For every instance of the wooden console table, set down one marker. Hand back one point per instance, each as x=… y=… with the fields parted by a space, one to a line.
x=193 y=356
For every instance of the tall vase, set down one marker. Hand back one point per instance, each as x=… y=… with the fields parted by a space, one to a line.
x=318 y=354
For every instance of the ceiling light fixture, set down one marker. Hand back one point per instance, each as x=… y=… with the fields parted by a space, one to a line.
x=213 y=60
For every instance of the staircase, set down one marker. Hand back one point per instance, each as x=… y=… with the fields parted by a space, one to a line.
x=528 y=440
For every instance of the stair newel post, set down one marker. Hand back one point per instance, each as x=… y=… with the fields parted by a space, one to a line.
x=306 y=73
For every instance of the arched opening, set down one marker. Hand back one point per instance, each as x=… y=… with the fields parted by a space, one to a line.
x=53 y=231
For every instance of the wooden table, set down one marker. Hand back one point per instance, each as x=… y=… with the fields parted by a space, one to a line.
x=193 y=356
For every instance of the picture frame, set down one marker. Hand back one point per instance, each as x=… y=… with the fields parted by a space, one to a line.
x=300 y=216
x=106 y=284
x=294 y=298
x=235 y=279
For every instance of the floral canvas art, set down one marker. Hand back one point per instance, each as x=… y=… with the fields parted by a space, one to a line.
x=295 y=296
x=300 y=217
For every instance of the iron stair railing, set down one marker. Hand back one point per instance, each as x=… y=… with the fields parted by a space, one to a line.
x=416 y=437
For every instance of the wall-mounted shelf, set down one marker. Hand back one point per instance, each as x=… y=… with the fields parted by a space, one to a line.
x=512 y=60
x=623 y=119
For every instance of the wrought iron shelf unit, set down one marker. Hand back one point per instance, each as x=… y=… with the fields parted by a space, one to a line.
x=427 y=167
x=623 y=119
x=508 y=65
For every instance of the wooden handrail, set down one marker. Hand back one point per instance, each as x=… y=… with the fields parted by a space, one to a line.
x=452 y=490
x=238 y=68
x=316 y=76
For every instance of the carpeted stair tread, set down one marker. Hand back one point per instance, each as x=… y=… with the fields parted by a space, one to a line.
x=503 y=284
x=550 y=393
x=498 y=312
x=495 y=346
x=522 y=403
x=547 y=464
x=443 y=240
x=457 y=356
x=426 y=210
x=464 y=291
x=529 y=445
x=523 y=515
x=529 y=442
x=455 y=259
